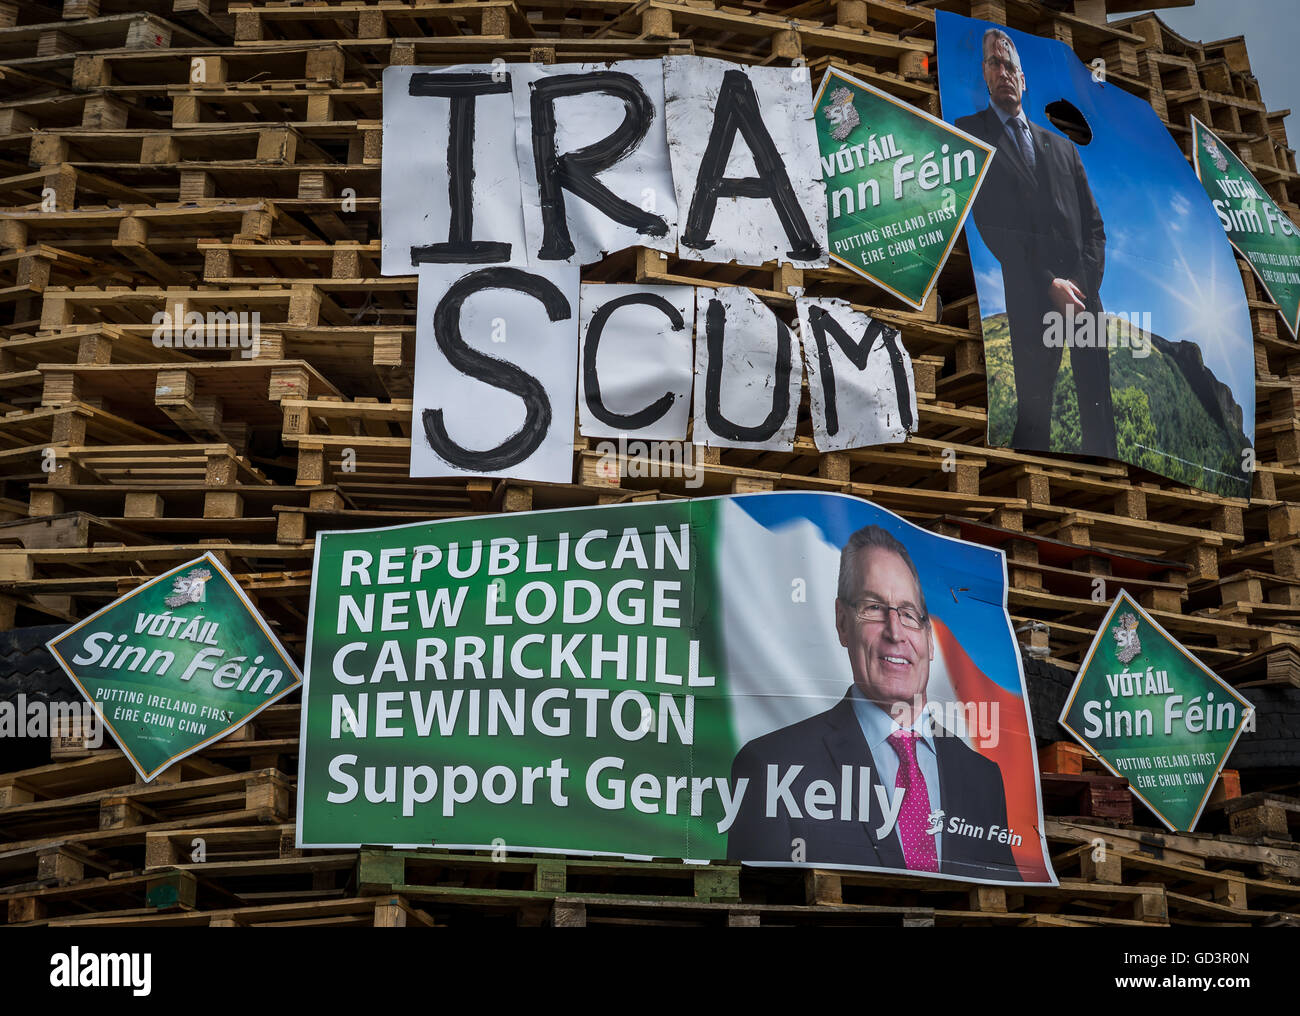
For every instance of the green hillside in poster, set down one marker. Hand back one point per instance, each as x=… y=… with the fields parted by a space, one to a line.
x=1172 y=416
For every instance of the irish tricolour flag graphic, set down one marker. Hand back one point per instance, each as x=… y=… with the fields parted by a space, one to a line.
x=778 y=561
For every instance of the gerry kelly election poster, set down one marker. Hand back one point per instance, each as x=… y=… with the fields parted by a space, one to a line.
x=790 y=679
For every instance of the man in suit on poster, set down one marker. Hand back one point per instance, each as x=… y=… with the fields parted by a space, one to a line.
x=952 y=795
x=1036 y=213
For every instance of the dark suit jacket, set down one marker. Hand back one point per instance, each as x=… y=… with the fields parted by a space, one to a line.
x=970 y=787
x=1040 y=225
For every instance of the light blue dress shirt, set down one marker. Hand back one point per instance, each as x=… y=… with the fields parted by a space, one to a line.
x=876 y=726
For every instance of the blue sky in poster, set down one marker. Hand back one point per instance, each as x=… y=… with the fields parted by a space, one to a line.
x=1166 y=252
x=963 y=583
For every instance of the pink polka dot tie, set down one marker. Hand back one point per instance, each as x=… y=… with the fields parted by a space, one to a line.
x=914 y=816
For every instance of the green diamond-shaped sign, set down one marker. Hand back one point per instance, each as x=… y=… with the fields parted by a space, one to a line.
x=1153 y=713
x=1259 y=230
x=176 y=664
x=899 y=184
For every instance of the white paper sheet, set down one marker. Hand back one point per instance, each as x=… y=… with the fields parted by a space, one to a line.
x=702 y=96
x=747 y=378
x=416 y=205
x=643 y=363
x=868 y=396
x=495 y=381
x=603 y=113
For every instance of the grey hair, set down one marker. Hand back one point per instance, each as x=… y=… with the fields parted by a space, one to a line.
x=872 y=538
x=993 y=37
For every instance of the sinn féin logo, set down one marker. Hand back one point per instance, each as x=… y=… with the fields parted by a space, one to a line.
x=1211 y=147
x=188 y=588
x=1126 y=638
x=841 y=114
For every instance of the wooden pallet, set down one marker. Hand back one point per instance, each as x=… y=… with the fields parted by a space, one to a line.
x=376 y=912
x=436 y=874
x=1256 y=858
x=265 y=792
x=1193 y=893
x=1144 y=904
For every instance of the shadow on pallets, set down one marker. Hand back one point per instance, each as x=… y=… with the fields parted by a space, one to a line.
x=175 y=873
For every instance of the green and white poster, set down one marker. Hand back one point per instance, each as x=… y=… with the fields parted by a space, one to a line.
x=707 y=679
x=1154 y=714
x=899 y=184
x=1260 y=231
x=176 y=664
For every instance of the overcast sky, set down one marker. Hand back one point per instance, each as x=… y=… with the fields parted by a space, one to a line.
x=1271 y=29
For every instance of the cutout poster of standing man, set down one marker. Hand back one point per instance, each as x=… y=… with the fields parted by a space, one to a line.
x=1114 y=320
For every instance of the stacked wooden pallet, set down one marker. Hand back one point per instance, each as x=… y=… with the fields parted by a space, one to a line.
x=163 y=157
x=211 y=842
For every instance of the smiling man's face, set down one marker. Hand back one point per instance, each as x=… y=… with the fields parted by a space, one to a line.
x=890 y=661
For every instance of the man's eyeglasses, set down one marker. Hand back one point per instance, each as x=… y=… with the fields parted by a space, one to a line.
x=874 y=611
x=1006 y=65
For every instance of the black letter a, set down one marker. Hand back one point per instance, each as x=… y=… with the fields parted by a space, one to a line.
x=737 y=110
